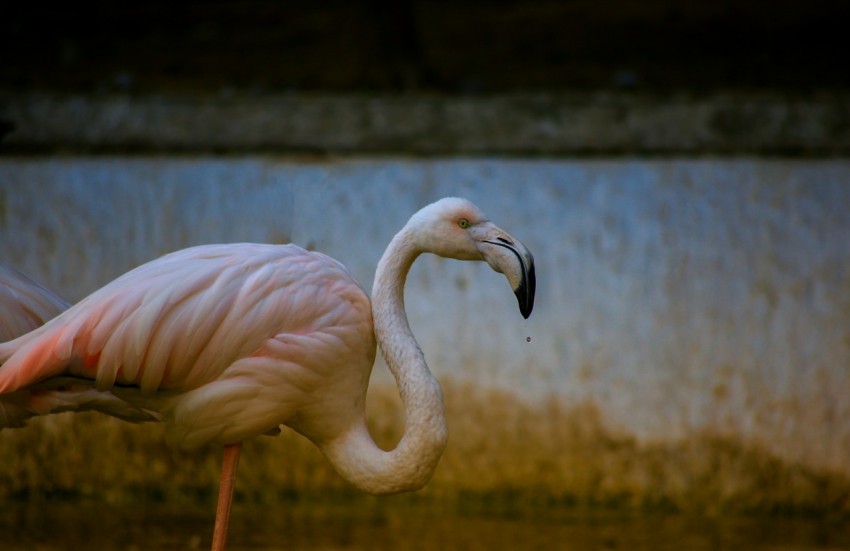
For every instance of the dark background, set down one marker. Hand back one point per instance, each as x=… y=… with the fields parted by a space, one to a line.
x=466 y=47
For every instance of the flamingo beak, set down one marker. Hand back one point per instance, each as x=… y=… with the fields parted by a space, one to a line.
x=509 y=256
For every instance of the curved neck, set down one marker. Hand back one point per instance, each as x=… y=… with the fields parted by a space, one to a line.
x=410 y=465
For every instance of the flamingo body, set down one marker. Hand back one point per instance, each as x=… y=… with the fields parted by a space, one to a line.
x=222 y=342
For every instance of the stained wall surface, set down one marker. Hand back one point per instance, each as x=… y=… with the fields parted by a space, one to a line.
x=675 y=295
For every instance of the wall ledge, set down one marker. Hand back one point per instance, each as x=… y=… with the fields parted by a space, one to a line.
x=522 y=125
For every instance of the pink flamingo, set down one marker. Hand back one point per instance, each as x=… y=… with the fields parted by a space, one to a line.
x=226 y=342
x=24 y=304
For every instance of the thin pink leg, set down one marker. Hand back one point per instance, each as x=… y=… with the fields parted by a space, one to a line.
x=225 y=495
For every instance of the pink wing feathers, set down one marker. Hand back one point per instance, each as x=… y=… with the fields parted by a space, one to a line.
x=178 y=322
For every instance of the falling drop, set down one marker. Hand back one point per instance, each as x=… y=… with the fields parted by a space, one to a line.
x=527 y=339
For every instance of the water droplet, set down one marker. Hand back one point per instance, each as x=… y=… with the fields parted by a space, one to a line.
x=527 y=339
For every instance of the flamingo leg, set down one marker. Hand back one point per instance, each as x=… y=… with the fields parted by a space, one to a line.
x=229 y=466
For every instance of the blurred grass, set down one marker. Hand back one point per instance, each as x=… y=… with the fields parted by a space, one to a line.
x=502 y=453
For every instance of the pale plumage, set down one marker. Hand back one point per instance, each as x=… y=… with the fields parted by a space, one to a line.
x=226 y=342
x=223 y=342
x=24 y=304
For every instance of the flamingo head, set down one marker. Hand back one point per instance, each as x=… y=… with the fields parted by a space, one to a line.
x=456 y=228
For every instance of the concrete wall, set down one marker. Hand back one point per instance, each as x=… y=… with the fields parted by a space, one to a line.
x=515 y=125
x=677 y=295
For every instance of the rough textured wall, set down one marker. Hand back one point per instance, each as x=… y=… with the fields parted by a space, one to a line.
x=676 y=296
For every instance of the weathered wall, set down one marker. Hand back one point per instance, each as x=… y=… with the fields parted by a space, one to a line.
x=676 y=295
x=512 y=125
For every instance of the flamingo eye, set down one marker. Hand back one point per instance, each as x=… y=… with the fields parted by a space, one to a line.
x=463 y=223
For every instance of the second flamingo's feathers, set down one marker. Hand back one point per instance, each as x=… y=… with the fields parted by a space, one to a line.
x=24 y=304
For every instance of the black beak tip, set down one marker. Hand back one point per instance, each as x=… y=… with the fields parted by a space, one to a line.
x=525 y=293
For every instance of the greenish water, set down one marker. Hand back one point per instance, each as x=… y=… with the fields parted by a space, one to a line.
x=386 y=524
